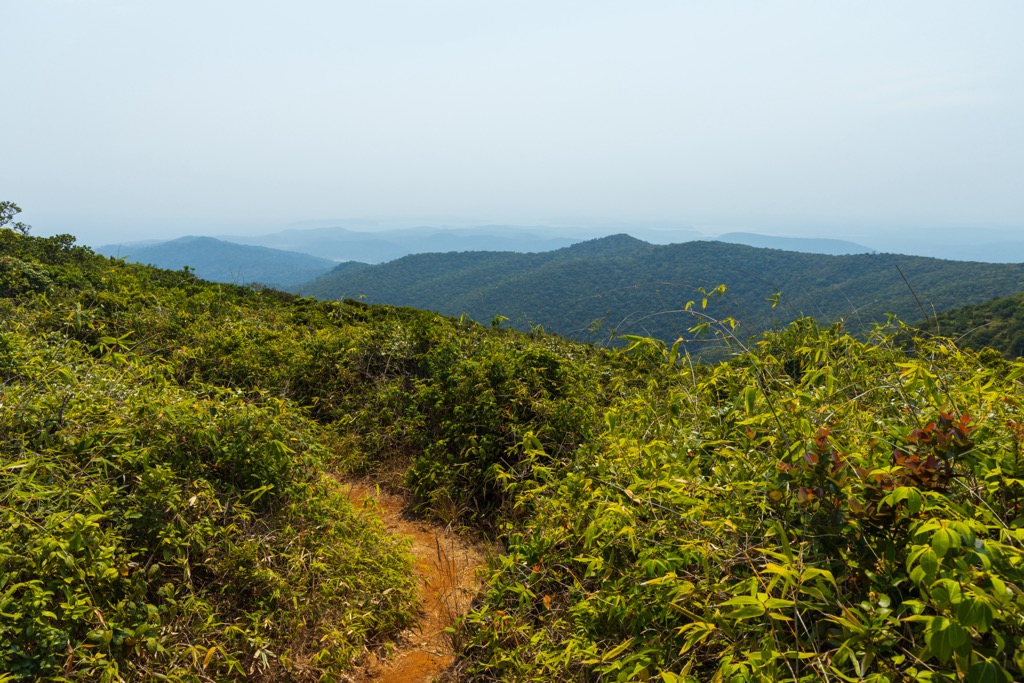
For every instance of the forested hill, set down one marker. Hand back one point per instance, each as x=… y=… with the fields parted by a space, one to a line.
x=632 y=287
x=997 y=324
x=220 y=261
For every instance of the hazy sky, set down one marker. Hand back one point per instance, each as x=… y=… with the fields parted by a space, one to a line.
x=128 y=119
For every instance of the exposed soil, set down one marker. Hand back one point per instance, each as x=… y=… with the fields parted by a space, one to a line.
x=447 y=568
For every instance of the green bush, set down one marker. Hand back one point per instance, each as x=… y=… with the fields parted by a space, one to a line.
x=154 y=523
x=819 y=508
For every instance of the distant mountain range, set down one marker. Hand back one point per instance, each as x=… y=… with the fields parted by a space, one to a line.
x=966 y=245
x=280 y=258
x=619 y=284
x=342 y=244
x=220 y=261
x=808 y=245
x=624 y=285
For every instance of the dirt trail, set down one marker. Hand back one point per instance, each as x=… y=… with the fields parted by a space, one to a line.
x=446 y=567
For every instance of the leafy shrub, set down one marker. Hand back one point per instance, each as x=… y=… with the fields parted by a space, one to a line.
x=18 y=277
x=156 y=525
x=819 y=508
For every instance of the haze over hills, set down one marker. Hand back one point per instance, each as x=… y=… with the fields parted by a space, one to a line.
x=343 y=244
x=301 y=256
x=968 y=244
x=278 y=258
x=810 y=245
x=632 y=287
x=221 y=261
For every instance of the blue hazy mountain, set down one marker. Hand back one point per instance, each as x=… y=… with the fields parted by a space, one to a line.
x=806 y=245
x=343 y=244
x=220 y=261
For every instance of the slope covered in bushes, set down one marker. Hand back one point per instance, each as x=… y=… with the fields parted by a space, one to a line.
x=169 y=455
x=996 y=324
x=818 y=507
x=157 y=520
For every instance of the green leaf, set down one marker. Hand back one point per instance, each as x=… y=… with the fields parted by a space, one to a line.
x=944 y=637
x=929 y=563
x=749 y=399
x=813 y=572
x=946 y=591
x=616 y=651
x=785 y=572
x=667 y=578
x=987 y=672
x=747 y=610
x=975 y=612
x=741 y=600
x=698 y=632
x=778 y=603
x=941 y=542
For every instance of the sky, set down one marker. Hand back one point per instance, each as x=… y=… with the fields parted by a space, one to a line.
x=132 y=120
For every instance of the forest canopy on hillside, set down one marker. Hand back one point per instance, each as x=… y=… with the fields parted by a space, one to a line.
x=996 y=324
x=621 y=285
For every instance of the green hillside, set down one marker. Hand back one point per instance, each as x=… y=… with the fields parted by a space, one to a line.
x=632 y=287
x=168 y=507
x=819 y=507
x=221 y=261
x=997 y=324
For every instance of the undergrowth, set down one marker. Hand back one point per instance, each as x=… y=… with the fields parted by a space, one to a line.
x=818 y=508
x=162 y=523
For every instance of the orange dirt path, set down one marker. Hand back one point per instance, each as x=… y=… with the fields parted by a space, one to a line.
x=446 y=567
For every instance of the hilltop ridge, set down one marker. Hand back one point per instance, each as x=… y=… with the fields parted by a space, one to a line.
x=630 y=286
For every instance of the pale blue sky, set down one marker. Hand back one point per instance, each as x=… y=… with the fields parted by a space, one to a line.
x=127 y=119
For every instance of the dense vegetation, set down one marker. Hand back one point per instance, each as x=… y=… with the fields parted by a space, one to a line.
x=996 y=324
x=819 y=507
x=632 y=287
x=220 y=261
x=164 y=513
